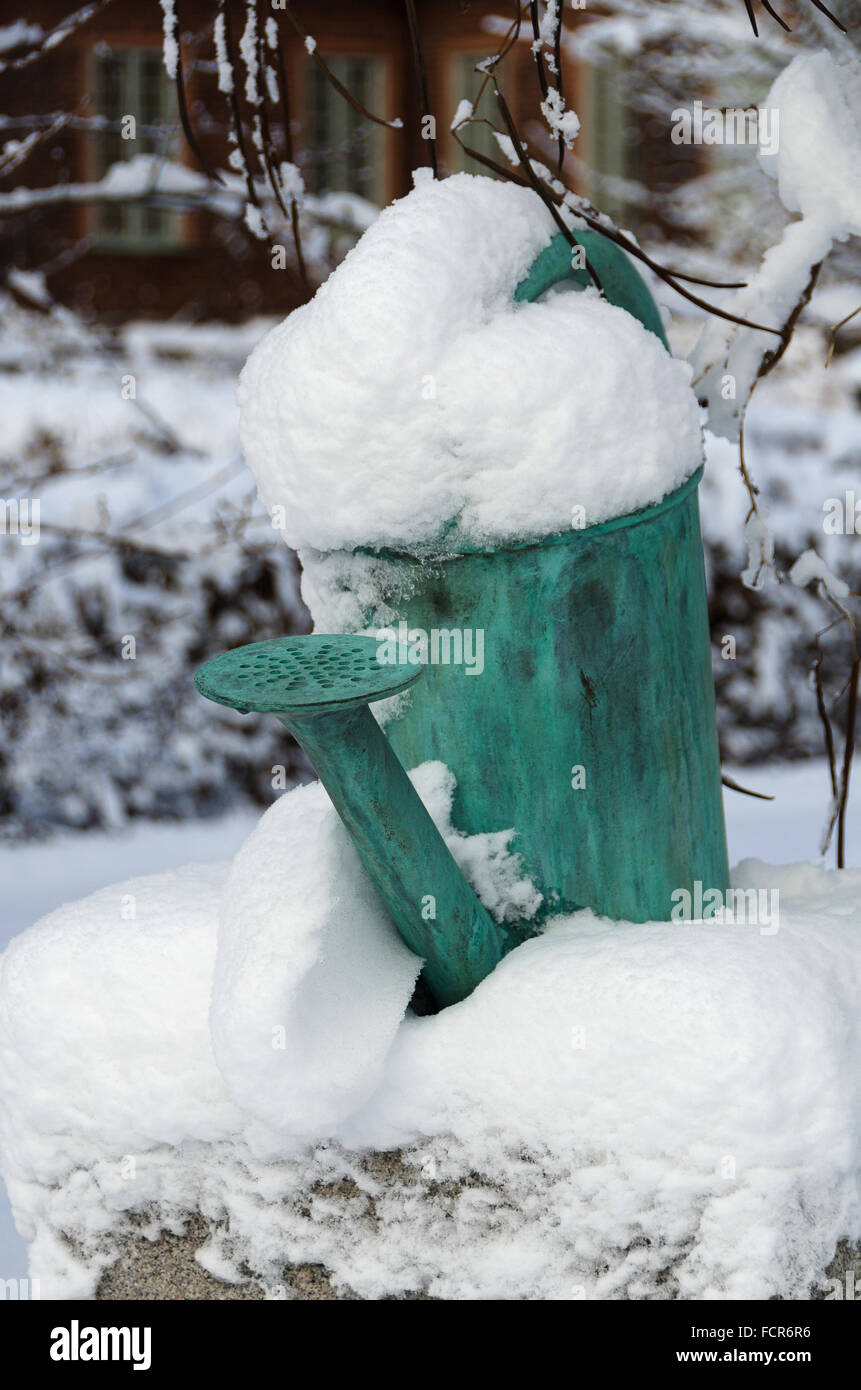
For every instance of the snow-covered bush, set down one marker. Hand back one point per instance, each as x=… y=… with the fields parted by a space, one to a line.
x=147 y=556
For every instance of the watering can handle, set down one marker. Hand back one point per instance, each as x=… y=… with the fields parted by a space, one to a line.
x=621 y=283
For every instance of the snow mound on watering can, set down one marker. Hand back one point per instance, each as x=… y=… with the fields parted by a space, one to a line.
x=413 y=392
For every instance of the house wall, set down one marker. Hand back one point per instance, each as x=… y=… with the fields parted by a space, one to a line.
x=217 y=268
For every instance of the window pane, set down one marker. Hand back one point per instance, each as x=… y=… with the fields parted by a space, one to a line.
x=466 y=83
x=346 y=150
x=132 y=82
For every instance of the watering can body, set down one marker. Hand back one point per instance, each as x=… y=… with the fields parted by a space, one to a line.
x=591 y=726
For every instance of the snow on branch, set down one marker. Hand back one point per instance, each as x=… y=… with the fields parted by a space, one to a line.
x=816 y=109
x=54 y=37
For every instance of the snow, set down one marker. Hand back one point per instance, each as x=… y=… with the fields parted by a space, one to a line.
x=311 y=980
x=463 y=113
x=759 y=539
x=292 y=182
x=248 y=53
x=170 y=42
x=19 y=32
x=253 y=220
x=225 y=68
x=412 y=392
x=562 y=122
x=660 y=1097
x=818 y=97
x=815 y=107
x=810 y=566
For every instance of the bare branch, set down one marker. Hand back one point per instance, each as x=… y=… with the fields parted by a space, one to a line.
x=421 y=76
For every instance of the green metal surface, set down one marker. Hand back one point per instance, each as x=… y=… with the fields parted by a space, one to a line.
x=596 y=656
x=315 y=674
x=621 y=283
x=320 y=687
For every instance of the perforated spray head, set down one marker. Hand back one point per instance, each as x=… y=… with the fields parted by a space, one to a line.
x=320 y=688
x=298 y=676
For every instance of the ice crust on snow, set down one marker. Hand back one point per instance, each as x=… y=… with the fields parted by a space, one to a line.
x=412 y=392
x=565 y=1130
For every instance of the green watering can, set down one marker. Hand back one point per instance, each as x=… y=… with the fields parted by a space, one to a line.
x=590 y=727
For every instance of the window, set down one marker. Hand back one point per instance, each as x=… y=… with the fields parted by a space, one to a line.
x=466 y=83
x=606 y=138
x=133 y=82
x=346 y=149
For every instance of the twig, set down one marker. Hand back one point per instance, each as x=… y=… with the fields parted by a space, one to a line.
x=770 y=359
x=736 y=787
x=832 y=341
x=617 y=237
x=57 y=35
x=100 y=466
x=538 y=186
x=421 y=76
x=284 y=94
x=182 y=107
x=236 y=117
x=848 y=754
x=336 y=82
x=828 y=732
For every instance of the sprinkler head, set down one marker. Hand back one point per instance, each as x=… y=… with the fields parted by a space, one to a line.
x=301 y=677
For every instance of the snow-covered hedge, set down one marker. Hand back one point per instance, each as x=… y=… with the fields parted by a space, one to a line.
x=93 y=738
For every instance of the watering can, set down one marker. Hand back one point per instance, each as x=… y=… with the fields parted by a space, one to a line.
x=590 y=729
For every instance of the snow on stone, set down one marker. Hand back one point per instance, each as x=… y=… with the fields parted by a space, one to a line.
x=412 y=392
x=815 y=108
x=621 y=1110
x=312 y=979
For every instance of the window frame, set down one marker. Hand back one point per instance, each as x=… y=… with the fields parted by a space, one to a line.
x=131 y=240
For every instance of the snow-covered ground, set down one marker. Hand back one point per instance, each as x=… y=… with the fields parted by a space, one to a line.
x=40 y=877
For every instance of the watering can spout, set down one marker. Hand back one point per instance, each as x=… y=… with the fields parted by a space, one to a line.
x=320 y=688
